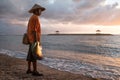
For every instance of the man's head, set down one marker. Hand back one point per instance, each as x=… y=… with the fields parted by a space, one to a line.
x=36 y=9
x=37 y=12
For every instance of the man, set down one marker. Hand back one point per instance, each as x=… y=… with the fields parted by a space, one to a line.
x=34 y=34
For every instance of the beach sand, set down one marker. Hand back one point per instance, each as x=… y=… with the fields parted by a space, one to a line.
x=15 y=69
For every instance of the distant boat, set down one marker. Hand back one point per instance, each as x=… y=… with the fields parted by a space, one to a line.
x=57 y=32
x=98 y=31
x=82 y=34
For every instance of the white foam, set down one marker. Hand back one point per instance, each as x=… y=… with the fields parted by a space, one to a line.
x=77 y=67
x=17 y=54
x=7 y=52
x=74 y=66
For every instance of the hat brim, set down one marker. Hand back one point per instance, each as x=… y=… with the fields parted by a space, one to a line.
x=32 y=10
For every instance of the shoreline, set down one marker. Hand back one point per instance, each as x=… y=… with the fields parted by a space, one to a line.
x=94 y=66
x=14 y=69
x=89 y=58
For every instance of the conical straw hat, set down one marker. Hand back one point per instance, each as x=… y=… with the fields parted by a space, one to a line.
x=36 y=6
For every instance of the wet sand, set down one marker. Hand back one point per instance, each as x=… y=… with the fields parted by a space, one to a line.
x=15 y=69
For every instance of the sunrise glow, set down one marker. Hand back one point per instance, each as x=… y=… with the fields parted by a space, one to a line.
x=72 y=16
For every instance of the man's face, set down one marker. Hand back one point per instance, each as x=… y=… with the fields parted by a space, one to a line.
x=38 y=12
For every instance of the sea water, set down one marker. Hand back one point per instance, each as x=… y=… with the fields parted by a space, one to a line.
x=91 y=55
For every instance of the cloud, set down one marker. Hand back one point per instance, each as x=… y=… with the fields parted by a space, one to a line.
x=77 y=12
x=83 y=12
x=69 y=11
x=9 y=29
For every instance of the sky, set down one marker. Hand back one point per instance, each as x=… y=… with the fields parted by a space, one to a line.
x=66 y=16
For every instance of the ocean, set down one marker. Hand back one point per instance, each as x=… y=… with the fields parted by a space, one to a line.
x=91 y=55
